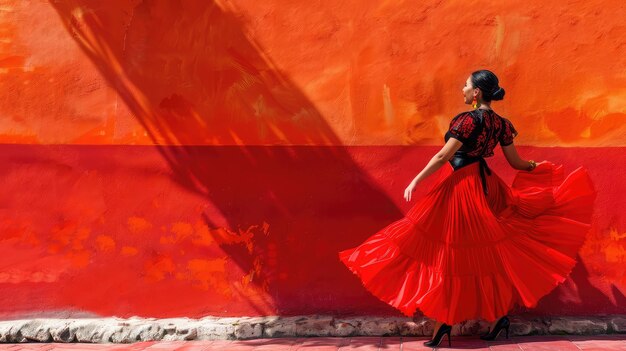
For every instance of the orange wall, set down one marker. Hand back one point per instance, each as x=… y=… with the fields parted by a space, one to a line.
x=276 y=72
x=223 y=152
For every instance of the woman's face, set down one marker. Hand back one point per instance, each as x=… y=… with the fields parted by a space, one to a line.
x=469 y=91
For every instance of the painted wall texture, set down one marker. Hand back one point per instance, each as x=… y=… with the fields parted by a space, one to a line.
x=188 y=158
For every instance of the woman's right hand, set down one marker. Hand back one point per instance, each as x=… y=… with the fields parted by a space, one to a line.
x=543 y=166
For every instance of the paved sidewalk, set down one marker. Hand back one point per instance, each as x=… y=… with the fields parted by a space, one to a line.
x=364 y=343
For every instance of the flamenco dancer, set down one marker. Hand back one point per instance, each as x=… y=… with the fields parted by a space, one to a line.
x=474 y=247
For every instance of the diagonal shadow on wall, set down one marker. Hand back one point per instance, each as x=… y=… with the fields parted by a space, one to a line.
x=235 y=130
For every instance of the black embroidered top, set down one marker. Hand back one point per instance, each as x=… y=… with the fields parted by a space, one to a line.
x=480 y=132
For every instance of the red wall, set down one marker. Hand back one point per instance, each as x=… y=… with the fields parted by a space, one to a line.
x=118 y=230
x=166 y=158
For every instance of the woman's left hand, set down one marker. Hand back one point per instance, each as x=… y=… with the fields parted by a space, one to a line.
x=409 y=191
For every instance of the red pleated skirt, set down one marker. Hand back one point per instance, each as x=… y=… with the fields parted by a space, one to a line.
x=459 y=254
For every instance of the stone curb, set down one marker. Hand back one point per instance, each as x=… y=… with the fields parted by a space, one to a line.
x=134 y=329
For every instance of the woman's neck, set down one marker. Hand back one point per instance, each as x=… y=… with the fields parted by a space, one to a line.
x=484 y=106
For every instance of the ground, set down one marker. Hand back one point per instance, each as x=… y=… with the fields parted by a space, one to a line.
x=363 y=343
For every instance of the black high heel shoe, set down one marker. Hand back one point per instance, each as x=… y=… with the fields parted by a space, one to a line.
x=502 y=323
x=436 y=340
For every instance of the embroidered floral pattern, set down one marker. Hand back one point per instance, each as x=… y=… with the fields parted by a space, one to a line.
x=480 y=137
x=508 y=134
x=462 y=126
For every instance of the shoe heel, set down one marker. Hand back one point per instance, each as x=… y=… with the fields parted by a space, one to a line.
x=449 y=342
x=507 y=332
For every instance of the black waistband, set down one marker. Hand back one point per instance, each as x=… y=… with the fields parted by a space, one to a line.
x=458 y=161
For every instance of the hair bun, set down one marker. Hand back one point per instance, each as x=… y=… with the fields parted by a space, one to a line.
x=488 y=83
x=498 y=94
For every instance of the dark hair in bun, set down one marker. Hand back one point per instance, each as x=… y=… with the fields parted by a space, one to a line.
x=487 y=82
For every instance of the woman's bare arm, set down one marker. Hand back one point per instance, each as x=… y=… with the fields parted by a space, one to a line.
x=440 y=158
x=510 y=152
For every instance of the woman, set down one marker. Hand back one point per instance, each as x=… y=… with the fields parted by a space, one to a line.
x=473 y=247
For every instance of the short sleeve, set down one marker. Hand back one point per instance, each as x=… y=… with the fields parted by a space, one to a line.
x=508 y=133
x=462 y=126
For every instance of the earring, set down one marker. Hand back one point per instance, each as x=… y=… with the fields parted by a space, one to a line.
x=474 y=102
